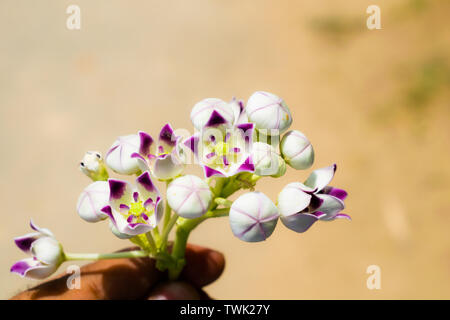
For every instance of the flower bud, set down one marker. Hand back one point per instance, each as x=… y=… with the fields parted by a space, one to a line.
x=189 y=196
x=93 y=166
x=201 y=112
x=281 y=168
x=265 y=159
x=48 y=250
x=268 y=111
x=91 y=201
x=119 y=157
x=297 y=151
x=253 y=217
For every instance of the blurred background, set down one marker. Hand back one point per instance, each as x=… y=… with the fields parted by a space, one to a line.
x=376 y=102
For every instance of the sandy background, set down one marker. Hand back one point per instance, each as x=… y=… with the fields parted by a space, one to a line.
x=375 y=102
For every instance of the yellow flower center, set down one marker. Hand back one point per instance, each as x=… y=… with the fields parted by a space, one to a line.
x=222 y=149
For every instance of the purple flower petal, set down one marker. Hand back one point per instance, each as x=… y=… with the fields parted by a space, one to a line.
x=24 y=242
x=124 y=208
x=246 y=166
x=146 y=187
x=108 y=211
x=192 y=143
x=335 y=192
x=209 y=172
x=117 y=189
x=215 y=119
x=167 y=139
x=210 y=155
x=149 y=204
x=146 y=143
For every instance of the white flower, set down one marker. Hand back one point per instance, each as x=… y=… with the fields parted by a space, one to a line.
x=133 y=210
x=297 y=151
x=302 y=204
x=119 y=157
x=253 y=217
x=189 y=196
x=47 y=254
x=268 y=112
x=91 y=201
x=160 y=158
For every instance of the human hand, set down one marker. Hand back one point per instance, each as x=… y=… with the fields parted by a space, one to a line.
x=135 y=278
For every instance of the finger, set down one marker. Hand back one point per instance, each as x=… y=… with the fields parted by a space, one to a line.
x=176 y=290
x=105 y=279
x=203 y=265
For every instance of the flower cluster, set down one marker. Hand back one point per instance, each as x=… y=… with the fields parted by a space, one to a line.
x=235 y=144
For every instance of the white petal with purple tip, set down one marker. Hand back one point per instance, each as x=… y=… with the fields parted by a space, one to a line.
x=167 y=166
x=120 y=192
x=33 y=269
x=330 y=206
x=145 y=186
x=320 y=178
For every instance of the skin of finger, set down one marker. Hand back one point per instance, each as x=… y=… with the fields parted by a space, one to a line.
x=203 y=266
x=105 y=279
x=128 y=278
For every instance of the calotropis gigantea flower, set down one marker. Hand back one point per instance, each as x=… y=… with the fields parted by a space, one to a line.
x=134 y=210
x=221 y=148
x=266 y=160
x=269 y=112
x=93 y=166
x=160 y=158
x=189 y=196
x=253 y=217
x=302 y=204
x=92 y=200
x=119 y=159
x=297 y=151
x=47 y=254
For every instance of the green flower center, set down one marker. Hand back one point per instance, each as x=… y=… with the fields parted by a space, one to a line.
x=222 y=149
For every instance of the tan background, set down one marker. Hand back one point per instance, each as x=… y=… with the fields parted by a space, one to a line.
x=375 y=102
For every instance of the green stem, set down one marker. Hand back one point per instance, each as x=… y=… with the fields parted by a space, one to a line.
x=151 y=242
x=182 y=235
x=167 y=230
x=101 y=256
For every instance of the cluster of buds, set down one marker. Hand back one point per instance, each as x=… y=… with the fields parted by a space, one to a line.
x=236 y=144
